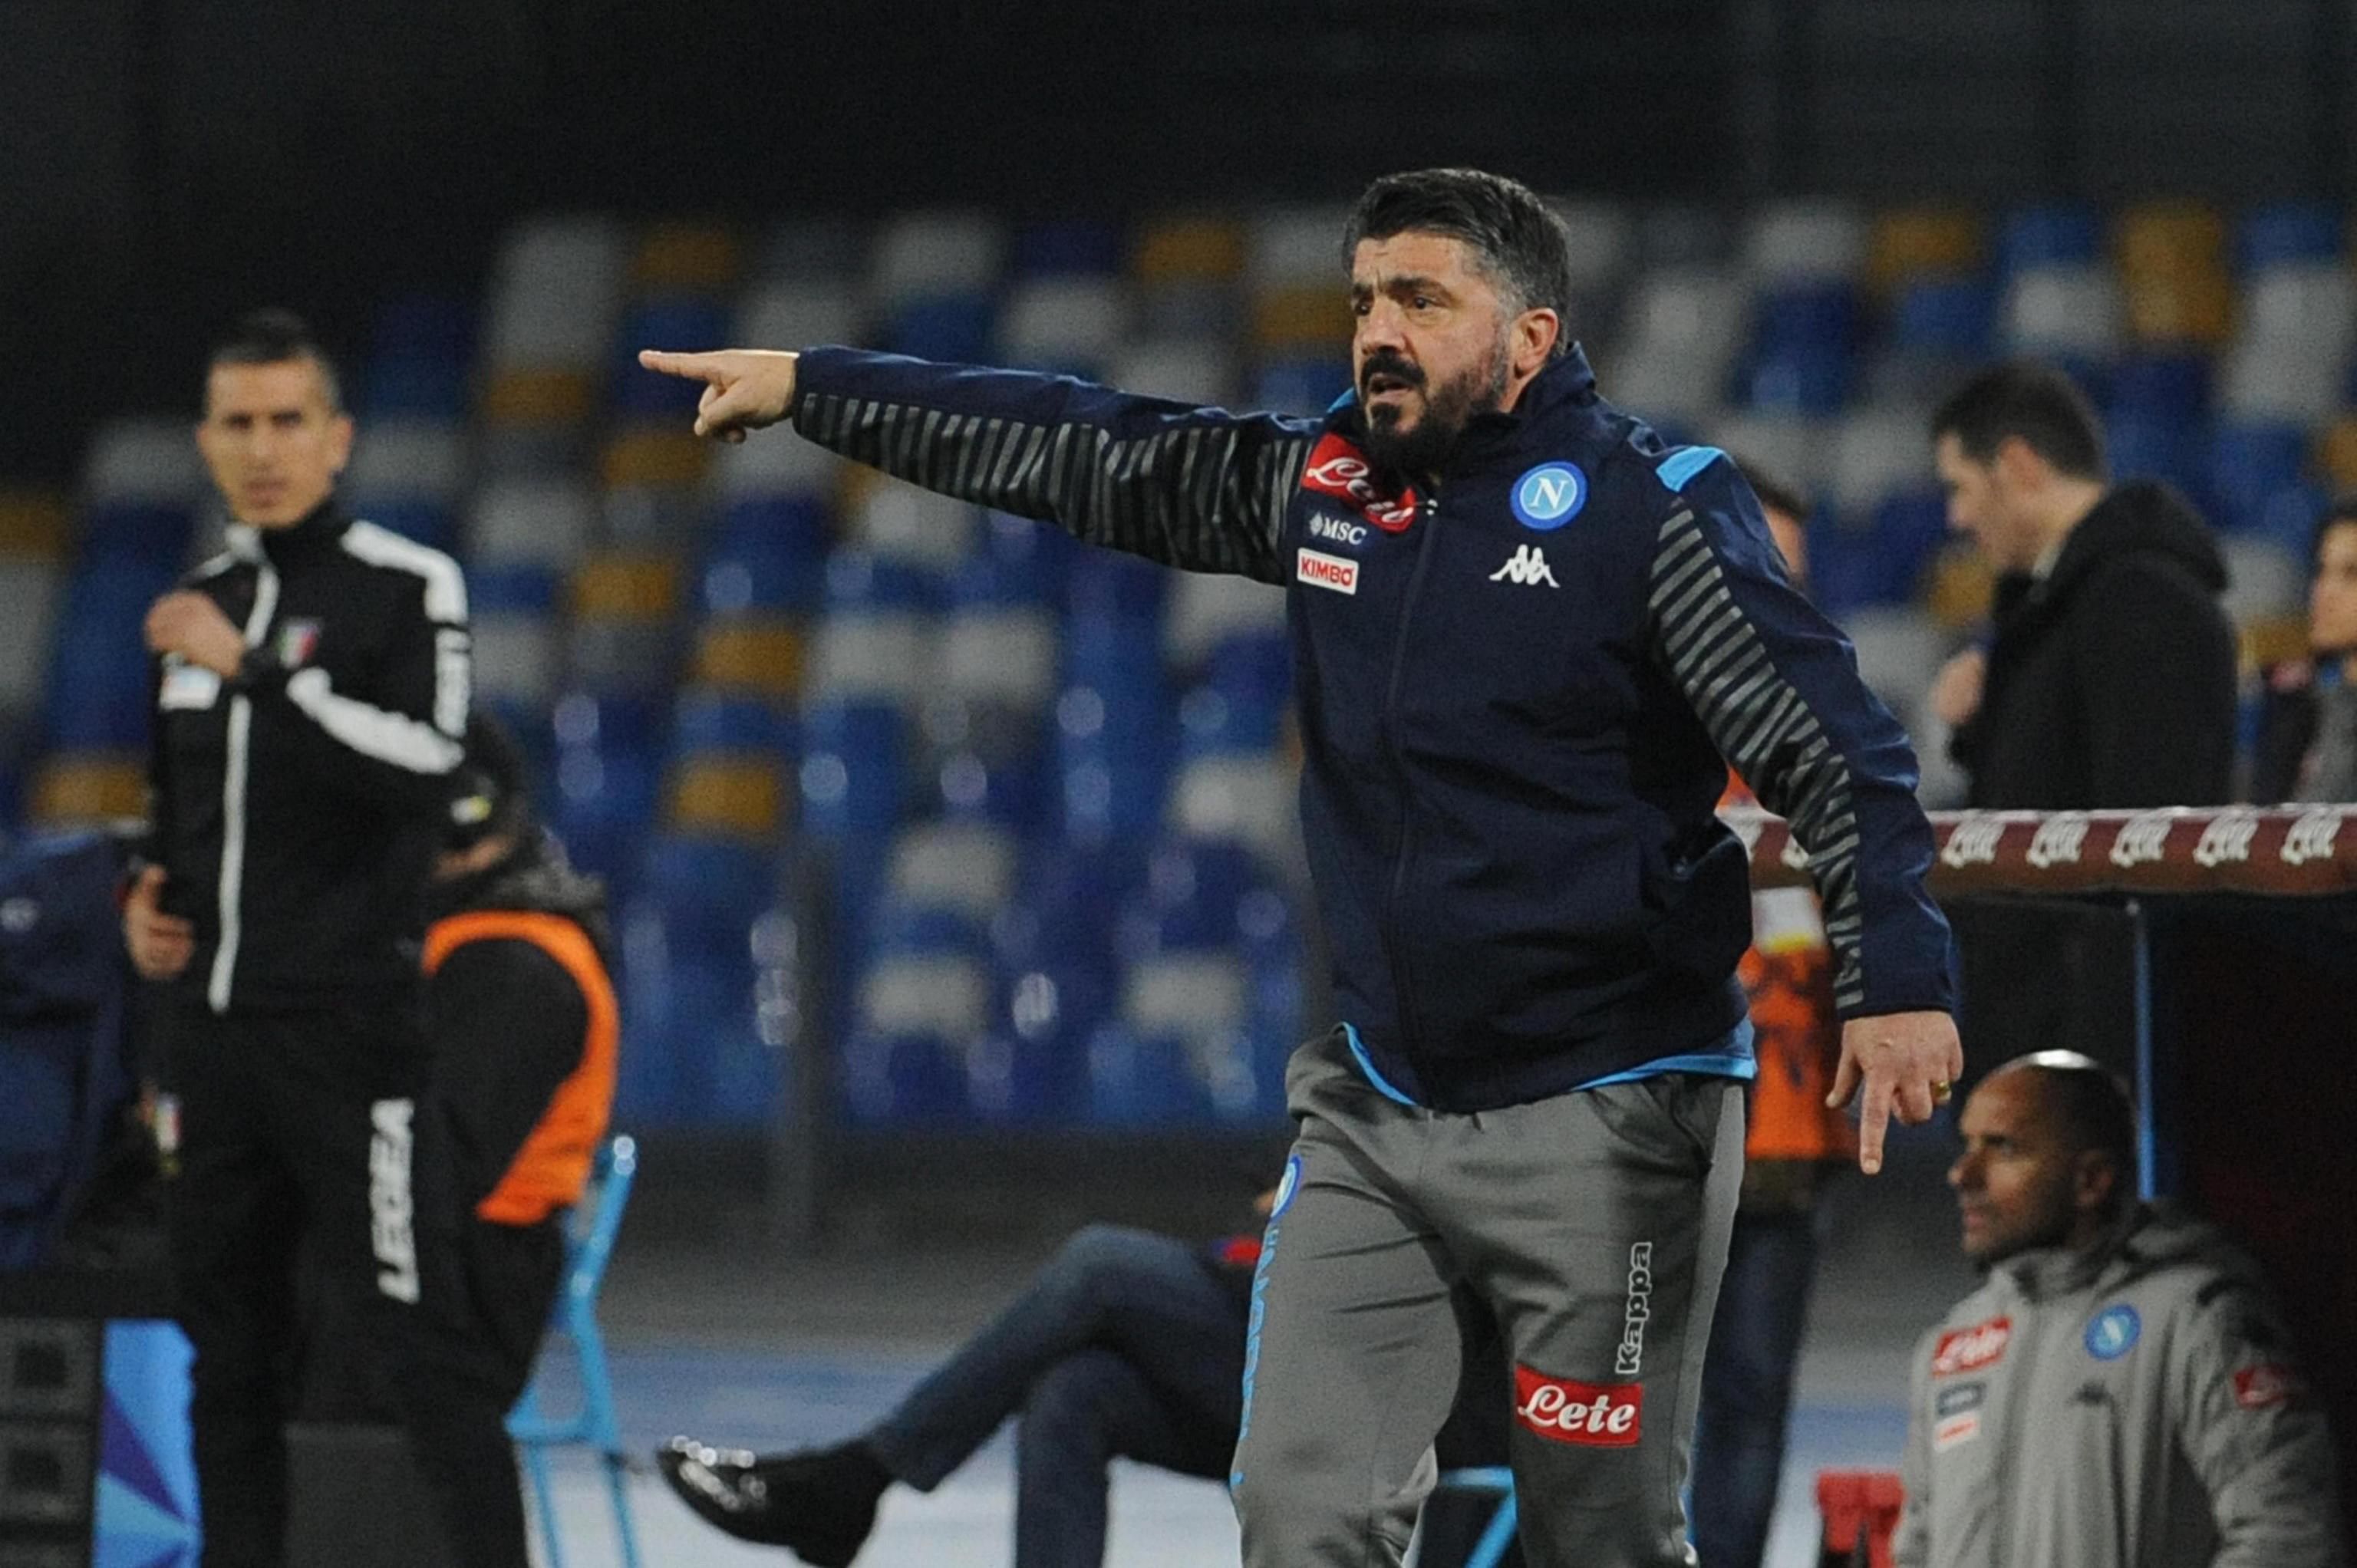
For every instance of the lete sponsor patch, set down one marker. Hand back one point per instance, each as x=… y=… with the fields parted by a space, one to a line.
x=1969 y=1349
x=1339 y=469
x=2266 y=1384
x=1954 y=1430
x=1588 y=1416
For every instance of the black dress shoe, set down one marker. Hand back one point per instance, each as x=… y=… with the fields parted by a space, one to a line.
x=820 y=1506
x=723 y=1487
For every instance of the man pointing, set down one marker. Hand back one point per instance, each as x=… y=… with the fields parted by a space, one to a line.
x=1526 y=630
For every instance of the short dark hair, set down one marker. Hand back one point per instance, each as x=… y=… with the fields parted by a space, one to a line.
x=2037 y=403
x=1513 y=237
x=1776 y=492
x=273 y=338
x=2093 y=1104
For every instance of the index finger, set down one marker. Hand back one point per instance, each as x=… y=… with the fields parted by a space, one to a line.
x=697 y=367
x=1873 y=1118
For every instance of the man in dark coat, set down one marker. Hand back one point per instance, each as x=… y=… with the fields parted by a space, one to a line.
x=2110 y=680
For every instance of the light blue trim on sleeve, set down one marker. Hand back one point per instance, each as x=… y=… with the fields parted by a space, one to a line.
x=1366 y=1065
x=1685 y=463
x=1733 y=1058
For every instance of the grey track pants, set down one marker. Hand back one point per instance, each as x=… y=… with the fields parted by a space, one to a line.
x=1594 y=1223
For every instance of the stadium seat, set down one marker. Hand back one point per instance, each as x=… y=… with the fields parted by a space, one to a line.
x=1874 y=453
x=1685 y=328
x=956 y=329
x=2071 y=311
x=718 y=719
x=794 y=313
x=2039 y=239
x=806 y=250
x=1185 y=369
x=966 y=867
x=2292 y=233
x=1600 y=236
x=1187 y=247
x=738 y=795
x=854 y=772
x=31 y=590
x=2250 y=463
x=517 y=640
x=1917 y=245
x=87 y=789
x=1687 y=236
x=1946 y=316
x=756 y=655
x=1072 y=247
x=686 y=259
x=1305 y=387
x=156 y=534
x=686 y=322
x=531 y=524
x=144 y=460
x=1207 y=609
x=899 y=522
x=556 y=287
x=1805 y=243
x=1063 y=323
x=923 y=255
x=1785 y=443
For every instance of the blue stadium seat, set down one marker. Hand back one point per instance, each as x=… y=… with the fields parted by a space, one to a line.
x=2249 y=465
x=430 y=389
x=602 y=805
x=1803 y=337
x=2144 y=446
x=769 y=553
x=1066 y=247
x=855 y=770
x=1252 y=669
x=2163 y=387
x=708 y=720
x=149 y=532
x=524 y=588
x=608 y=722
x=2052 y=236
x=902 y=1081
x=1013 y=1081
x=421 y=517
x=1190 y=899
x=1143 y=1080
x=1107 y=585
x=1304 y=387
x=2288 y=233
x=1943 y=316
x=1212 y=723
x=684 y=322
x=954 y=327
x=424 y=326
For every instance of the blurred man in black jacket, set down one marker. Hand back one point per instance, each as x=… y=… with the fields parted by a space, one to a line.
x=2110 y=681
x=524 y=1025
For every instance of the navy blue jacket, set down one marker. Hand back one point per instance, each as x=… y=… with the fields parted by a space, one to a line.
x=1516 y=694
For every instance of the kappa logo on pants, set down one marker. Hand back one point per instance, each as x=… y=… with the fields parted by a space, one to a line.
x=392 y=1213
x=1590 y=1415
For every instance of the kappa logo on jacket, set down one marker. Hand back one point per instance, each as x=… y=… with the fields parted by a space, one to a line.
x=1339 y=469
x=1970 y=1349
x=1528 y=566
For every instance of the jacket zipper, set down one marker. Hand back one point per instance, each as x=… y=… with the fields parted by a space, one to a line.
x=2017 y=1389
x=236 y=763
x=1411 y=1033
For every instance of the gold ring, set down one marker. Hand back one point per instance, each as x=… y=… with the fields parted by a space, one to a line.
x=1942 y=1091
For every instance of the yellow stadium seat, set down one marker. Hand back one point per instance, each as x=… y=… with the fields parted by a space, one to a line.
x=656 y=458
x=1960 y=588
x=34 y=525
x=2198 y=308
x=1914 y=241
x=726 y=792
x=761 y=656
x=2277 y=640
x=529 y=397
x=626 y=587
x=1180 y=249
x=2172 y=238
x=688 y=258
x=82 y=787
x=1310 y=316
x=2336 y=452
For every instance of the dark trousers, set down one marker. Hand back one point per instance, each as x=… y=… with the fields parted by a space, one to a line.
x=1127 y=1345
x=1747 y=1384
x=487 y=1290
x=292 y=1181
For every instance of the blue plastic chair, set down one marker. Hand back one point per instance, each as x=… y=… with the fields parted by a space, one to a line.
x=588 y=1244
x=1499 y=1480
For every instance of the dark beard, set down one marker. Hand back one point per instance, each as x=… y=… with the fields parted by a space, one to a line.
x=1403 y=457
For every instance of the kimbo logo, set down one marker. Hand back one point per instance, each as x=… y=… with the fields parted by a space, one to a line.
x=1630 y=1359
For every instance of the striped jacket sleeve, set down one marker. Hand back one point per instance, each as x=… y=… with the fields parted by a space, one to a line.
x=1197 y=487
x=1777 y=687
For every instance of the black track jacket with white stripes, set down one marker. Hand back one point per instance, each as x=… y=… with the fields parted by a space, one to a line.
x=1514 y=692
x=295 y=807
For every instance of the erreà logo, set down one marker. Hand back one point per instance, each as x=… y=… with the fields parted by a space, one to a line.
x=1339 y=469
